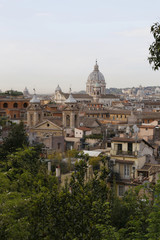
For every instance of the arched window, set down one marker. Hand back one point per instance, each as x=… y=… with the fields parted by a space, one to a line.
x=67 y=121
x=25 y=105
x=5 y=105
x=15 y=105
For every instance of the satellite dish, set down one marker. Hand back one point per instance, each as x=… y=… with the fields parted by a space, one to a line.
x=81 y=124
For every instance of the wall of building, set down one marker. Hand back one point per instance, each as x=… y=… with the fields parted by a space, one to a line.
x=146 y=133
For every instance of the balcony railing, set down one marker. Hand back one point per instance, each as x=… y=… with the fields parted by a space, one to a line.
x=130 y=153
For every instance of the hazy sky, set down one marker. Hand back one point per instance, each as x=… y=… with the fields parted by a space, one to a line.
x=48 y=42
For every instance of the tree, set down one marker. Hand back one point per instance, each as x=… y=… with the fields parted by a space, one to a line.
x=154 y=217
x=17 y=138
x=154 y=48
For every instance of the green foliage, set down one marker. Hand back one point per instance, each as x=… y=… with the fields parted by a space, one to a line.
x=95 y=136
x=154 y=48
x=95 y=162
x=17 y=138
x=34 y=206
x=154 y=216
x=72 y=153
x=13 y=93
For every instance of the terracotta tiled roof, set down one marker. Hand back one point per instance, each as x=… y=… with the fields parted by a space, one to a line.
x=88 y=122
x=57 y=121
x=119 y=111
x=146 y=126
x=120 y=139
x=84 y=129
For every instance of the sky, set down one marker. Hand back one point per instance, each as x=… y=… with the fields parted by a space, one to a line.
x=44 y=43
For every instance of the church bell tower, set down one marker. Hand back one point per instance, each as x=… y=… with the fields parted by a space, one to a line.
x=34 y=112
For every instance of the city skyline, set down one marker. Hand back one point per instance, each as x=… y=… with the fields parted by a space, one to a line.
x=44 y=44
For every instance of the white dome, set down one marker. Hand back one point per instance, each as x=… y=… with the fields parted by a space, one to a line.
x=35 y=99
x=96 y=76
x=95 y=79
x=157 y=90
x=58 y=89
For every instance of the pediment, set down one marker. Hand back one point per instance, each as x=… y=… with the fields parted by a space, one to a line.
x=47 y=124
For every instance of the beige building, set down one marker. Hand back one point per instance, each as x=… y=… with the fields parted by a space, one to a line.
x=60 y=97
x=81 y=132
x=146 y=132
x=127 y=155
x=40 y=130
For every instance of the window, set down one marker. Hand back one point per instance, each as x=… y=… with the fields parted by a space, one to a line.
x=5 y=105
x=146 y=129
x=130 y=147
x=108 y=144
x=119 y=147
x=48 y=125
x=59 y=145
x=25 y=105
x=15 y=105
x=121 y=190
x=14 y=115
x=126 y=170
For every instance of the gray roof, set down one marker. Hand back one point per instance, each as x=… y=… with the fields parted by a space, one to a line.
x=89 y=122
x=35 y=99
x=71 y=99
x=77 y=95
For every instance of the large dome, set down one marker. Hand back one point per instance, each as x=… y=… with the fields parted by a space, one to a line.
x=95 y=77
x=58 y=89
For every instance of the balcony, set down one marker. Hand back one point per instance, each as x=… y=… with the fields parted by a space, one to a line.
x=128 y=153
